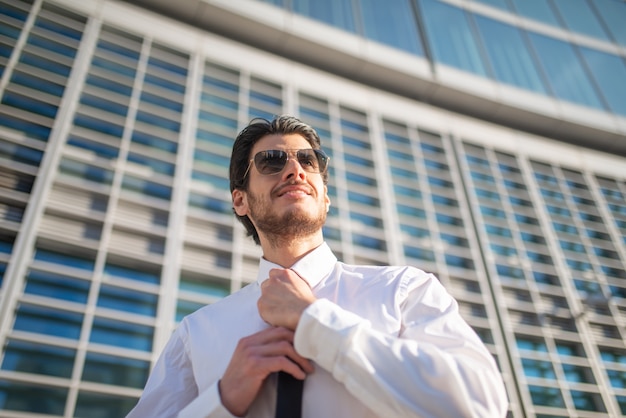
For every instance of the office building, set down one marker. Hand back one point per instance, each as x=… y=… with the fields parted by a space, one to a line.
x=483 y=141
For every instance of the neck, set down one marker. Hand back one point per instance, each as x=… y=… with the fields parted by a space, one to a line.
x=287 y=251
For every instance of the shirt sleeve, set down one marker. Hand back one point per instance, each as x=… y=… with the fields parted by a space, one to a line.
x=171 y=390
x=437 y=366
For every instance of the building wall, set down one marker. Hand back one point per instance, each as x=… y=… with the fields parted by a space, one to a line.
x=116 y=126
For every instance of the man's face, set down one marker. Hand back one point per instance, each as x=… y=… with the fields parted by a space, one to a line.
x=289 y=204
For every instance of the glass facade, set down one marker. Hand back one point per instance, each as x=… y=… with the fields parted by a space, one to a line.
x=542 y=59
x=116 y=217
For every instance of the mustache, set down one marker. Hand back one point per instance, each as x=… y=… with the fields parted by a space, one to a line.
x=291 y=183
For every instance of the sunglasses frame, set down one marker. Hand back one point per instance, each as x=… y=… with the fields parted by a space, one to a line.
x=291 y=154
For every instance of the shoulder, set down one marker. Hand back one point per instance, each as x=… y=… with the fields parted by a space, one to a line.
x=403 y=281
x=390 y=274
x=225 y=308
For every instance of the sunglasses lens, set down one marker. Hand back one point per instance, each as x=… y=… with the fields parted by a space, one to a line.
x=273 y=161
x=309 y=161
x=270 y=162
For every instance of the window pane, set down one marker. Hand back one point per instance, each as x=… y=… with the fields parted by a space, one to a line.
x=113 y=297
x=578 y=374
x=64 y=259
x=146 y=187
x=391 y=23
x=536 y=9
x=579 y=17
x=509 y=55
x=451 y=38
x=334 y=12
x=118 y=371
x=29 y=104
x=132 y=274
x=564 y=71
x=613 y=13
x=121 y=334
x=609 y=72
x=185 y=307
x=27 y=357
x=56 y=286
x=546 y=396
x=89 y=405
x=48 y=321
x=531 y=343
x=587 y=401
x=19 y=397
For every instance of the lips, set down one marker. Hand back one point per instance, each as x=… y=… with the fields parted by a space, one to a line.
x=293 y=188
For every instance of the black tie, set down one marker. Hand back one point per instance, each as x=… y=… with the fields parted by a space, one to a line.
x=289 y=396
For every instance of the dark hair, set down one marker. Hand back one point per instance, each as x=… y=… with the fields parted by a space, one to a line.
x=240 y=157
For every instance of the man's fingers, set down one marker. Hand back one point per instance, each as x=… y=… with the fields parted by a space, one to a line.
x=278 y=343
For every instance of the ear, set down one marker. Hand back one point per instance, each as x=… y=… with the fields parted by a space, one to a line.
x=240 y=202
x=326 y=198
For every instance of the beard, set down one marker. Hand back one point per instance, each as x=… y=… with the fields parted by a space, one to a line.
x=281 y=229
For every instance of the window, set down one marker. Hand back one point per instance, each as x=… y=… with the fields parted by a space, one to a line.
x=26 y=357
x=19 y=397
x=101 y=103
x=608 y=71
x=531 y=343
x=617 y=378
x=458 y=261
x=91 y=404
x=211 y=204
x=211 y=286
x=155 y=165
x=538 y=368
x=498 y=231
x=451 y=37
x=613 y=13
x=56 y=286
x=391 y=23
x=337 y=13
x=565 y=72
x=185 y=307
x=579 y=17
x=31 y=129
x=569 y=348
x=21 y=153
x=99 y=125
x=369 y=242
x=143 y=274
x=546 y=396
x=127 y=300
x=29 y=104
x=164 y=83
x=148 y=188
x=578 y=374
x=536 y=9
x=510 y=58
x=121 y=334
x=73 y=261
x=101 y=150
x=112 y=370
x=419 y=253
x=587 y=401
x=48 y=321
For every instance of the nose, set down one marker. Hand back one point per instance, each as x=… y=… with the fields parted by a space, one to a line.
x=293 y=169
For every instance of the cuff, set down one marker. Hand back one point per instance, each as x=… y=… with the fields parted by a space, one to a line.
x=322 y=331
x=207 y=405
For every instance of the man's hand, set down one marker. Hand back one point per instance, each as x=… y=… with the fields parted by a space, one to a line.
x=284 y=296
x=255 y=357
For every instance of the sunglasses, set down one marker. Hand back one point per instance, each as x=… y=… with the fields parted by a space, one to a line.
x=273 y=161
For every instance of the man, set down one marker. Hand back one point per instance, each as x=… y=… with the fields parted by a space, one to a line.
x=369 y=341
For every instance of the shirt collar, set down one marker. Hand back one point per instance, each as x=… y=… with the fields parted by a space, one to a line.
x=313 y=267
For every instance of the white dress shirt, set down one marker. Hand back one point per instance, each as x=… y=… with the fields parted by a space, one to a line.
x=385 y=341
